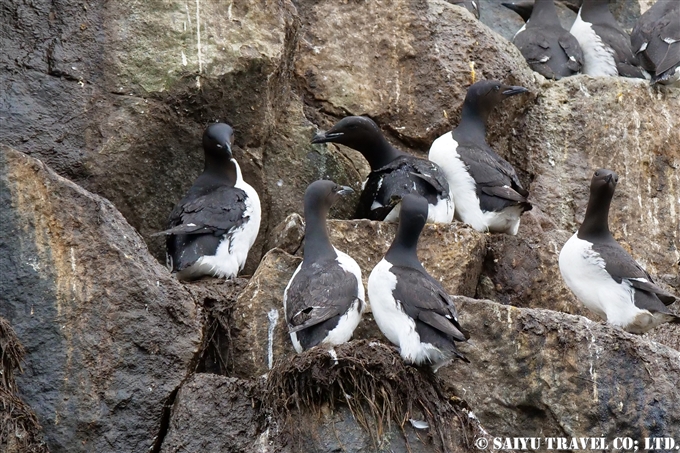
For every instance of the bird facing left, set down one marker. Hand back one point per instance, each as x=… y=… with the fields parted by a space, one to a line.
x=212 y=229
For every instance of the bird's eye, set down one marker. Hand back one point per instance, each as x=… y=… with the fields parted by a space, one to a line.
x=497 y=88
x=597 y=173
x=616 y=179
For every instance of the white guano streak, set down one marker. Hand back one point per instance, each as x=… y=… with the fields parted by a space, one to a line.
x=273 y=317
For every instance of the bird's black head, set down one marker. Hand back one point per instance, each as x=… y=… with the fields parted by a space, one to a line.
x=217 y=139
x=483 y=96
x=603 y=183
x=412 y=215
x=362 y=134
x=322 y=194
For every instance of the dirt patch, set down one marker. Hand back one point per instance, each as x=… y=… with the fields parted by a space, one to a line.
x=372 y=380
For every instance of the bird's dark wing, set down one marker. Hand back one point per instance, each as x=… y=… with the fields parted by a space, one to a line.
x=214 y=213
x=627 y=64
x=497 y=182
x=386 y=186
x=663 y=49
x=620 y=265
x=572 y=50
x=424 y=299
x=319 y=292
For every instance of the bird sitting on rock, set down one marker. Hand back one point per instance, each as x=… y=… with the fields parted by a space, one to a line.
x=394 y=173
x=603 y=276
x=212 y=229
x=656 y=41
x=410 y=307
x=325 y=298
x=486 y=191
x=606 y=46
x=548 y=48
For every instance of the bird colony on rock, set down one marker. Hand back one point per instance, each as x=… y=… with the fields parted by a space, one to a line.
x=212 y=229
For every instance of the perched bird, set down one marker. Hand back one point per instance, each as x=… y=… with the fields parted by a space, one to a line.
x=393 y=174
x=214 y=226
x=324 y=299
x=656 y=41
x=525 y=8
x=605 y=45
x=603 y=276
x=548 y=48
x=486 y=191
x=409 y=306
x=470 y=5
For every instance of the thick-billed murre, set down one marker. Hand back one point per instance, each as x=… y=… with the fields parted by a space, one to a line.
x=603 y=276
x=486 y=191
x=324 y=298
x=214 y=226
x=394 y=173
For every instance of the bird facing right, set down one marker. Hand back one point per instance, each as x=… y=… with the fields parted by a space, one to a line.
x=410 y=307
x=603 y=276
x=486 y=191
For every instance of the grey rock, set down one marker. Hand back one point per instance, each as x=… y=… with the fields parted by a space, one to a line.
x=109 y=334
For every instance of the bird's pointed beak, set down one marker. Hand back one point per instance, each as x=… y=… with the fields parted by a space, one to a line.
x=345 y=190
x=328 y=136
x=610 y=179
x=511 y=91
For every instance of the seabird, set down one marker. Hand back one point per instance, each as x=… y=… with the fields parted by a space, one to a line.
x=470 y=5
x=548 y=48
x=656 y=41
x=393 y=173
x=603 y=276
x=324 y=299
x=606 y=46
x=214 y=226
x=410 y=307
x=486 y=191
x=525 y=8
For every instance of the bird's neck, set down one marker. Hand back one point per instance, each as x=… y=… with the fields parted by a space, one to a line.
x=473 y=123
x=378 y=152
x=594 y=7
x=596 y=222
x=545 y=13
x=317 y=243
x=404 y=248
x=222 y=166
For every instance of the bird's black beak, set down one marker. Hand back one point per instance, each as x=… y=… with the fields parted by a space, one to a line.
x=225 y=145
x=610 y=179
x=511 y=91
x=345 y=190
x=328 y=136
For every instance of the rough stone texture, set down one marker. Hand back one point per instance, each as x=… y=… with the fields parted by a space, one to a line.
x=258 y=323
x=411 y=64
x=109 y=335
x=541 y=373
x=215 y=414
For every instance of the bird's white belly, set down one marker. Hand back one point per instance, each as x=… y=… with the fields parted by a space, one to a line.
x=462 y=186
x=505 y=221
x=598 y=57
x=396 y=325
x=583 y=271
x=232 y=252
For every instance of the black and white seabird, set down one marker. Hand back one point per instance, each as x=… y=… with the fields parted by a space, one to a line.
x=486 y=191
x=393 y=174
x=525 y=8
x=470 y=5
x=324 y=299
x=656 y=41
x=548 y=48
x=410 y=307
x=603 y=276
x=606 y=46
x=214 y=226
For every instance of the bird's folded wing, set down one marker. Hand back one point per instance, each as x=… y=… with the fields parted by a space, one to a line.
x=216 y=212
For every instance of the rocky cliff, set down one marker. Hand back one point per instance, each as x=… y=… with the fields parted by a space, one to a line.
x=102 y=106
